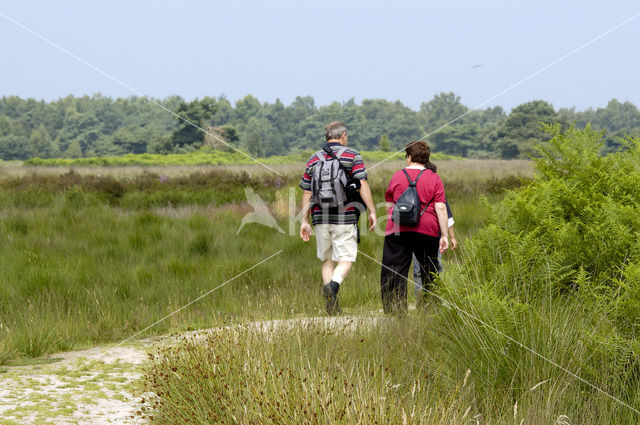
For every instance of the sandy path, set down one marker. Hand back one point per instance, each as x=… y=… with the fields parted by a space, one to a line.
x=94 y=386
x=98 y=386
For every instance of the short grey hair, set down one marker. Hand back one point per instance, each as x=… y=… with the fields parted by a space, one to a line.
x=335 y=130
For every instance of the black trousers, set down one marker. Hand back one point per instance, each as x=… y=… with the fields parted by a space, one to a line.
x=396 y=259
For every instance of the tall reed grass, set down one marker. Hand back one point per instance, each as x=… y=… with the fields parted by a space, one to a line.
x=442 y=366
x=311 y=374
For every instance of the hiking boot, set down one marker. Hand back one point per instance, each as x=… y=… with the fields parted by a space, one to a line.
x=330 y=291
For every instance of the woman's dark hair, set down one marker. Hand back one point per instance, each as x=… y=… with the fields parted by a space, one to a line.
x=431 y=166
x=419 y=152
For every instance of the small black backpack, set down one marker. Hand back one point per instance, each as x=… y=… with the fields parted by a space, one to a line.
x=406 y=211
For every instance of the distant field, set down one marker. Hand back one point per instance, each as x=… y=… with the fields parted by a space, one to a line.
x=449 y=168
x=210 y=157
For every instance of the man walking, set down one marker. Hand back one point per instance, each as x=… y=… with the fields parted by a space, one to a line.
x=335 y=226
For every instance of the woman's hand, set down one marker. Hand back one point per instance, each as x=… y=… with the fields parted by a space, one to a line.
x=444 y=243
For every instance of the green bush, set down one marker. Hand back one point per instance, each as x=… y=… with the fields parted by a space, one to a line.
x=572 y=232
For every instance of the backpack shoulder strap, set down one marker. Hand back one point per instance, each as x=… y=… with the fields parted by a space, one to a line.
x=317 y=169
x=412 y=182
x=320 y=156
x=426 y=206
x=407 y=176
x=330 y=152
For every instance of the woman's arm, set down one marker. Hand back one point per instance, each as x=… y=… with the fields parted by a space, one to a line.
x=388 y=195
x=441 y=212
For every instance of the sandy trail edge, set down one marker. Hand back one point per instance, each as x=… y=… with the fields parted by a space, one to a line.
x=94 y=386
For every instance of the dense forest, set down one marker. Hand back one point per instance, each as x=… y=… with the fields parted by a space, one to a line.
x=100 y=126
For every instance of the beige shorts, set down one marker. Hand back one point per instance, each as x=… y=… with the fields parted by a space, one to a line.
x=337 y=242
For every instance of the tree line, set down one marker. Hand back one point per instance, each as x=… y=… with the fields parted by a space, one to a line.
x=88 y=126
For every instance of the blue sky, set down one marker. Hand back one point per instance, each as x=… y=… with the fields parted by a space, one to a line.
x=331 y=50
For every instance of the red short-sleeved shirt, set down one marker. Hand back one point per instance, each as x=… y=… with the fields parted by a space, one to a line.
x=430 y=188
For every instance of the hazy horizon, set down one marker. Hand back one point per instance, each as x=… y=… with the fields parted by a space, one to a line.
x=407 y=51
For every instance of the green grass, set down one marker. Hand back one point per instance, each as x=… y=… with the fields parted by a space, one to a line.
x=73 y=277
x=87 y=259
x=310 y=375
x=91 y=258
x=471 y=357
x=442 y=367
x=510 y=349
x=204 y=157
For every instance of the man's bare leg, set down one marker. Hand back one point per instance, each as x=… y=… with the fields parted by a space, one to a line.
x=341 y=271
x=327 y=271
x=332 y=278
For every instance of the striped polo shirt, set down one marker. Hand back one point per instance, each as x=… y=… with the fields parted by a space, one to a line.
x=352 y=161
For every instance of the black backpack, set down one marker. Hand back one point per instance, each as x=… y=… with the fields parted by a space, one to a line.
x=406 y=211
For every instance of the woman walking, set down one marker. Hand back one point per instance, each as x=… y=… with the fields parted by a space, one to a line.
x=424 y=240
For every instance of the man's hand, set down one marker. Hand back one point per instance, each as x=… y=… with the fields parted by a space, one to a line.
x=305 y=227
x=305 y=231
x=373 y=220
x=444 y=243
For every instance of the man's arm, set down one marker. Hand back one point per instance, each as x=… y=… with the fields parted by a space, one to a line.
x=365 y=194
x=441 y=212
x=305 y=227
